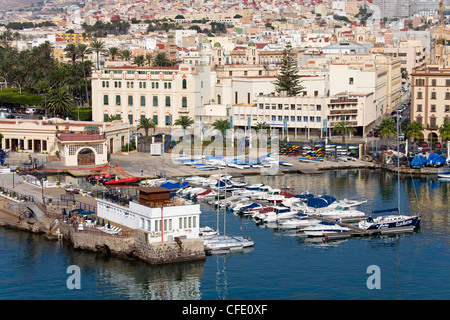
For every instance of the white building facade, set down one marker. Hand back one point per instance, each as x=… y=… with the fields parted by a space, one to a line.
x=162 y=224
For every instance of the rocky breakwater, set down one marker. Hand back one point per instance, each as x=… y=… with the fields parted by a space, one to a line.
x=135 y=246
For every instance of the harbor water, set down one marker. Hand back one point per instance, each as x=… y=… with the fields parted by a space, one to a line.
x=281 y=266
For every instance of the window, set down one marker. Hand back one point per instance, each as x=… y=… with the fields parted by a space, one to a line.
x=299 y=118
x=419 y=108
x=105 y=100
x=168 y=120
x=184 y=84
x=447 y=96
x=305 y=119
x=292 y=106
x=311 y=119
x=433 y=108
x=130 y=100
x=165 y=85
x=167 y=101
x=155 y=119
x=142 y=117
x=261 y=105
x=280 y=118
x=130 y=118
x=419 y=95
x=433 y=122
x=117 y=100
x=155 y=101
x=447 y=82
x=447 y=108
x=318 y=119
x=433 y=82
x=318 y=107
x=292 y=118
x=350 y=80
x=105 y=118
x=280 y=106
x=433 y=95
x=274 y=118
x=184 y=102
x=142 y=101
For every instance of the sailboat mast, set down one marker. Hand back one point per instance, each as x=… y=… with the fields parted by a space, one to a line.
x=398 y=164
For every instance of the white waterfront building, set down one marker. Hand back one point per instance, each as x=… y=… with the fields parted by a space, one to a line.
x=162 y=224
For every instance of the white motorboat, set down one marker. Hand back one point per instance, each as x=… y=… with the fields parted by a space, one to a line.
x=297 y=223
x=347 y=203
x=229 y=243
x=337 y=213
x=207 y=232
x=323 y=229
x=445 y=175
x=390 y=221
x=279 y=213
x=255 y=186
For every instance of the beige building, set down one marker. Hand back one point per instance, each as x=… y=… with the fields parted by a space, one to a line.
x=160 y=93
x=76 y=142
x=430 y=98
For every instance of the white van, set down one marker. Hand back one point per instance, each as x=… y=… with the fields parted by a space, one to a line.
x=30 y=110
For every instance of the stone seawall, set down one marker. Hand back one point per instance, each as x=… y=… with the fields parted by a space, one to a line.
x=134 y=246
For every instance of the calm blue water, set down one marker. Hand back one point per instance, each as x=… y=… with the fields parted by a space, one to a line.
x=279 y=267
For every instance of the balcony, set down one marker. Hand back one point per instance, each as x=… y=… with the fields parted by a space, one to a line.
x=345 y=111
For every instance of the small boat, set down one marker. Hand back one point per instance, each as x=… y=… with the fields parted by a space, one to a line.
x=297 y=222
x=228 y=243
x=445 y=175
x=207 y=232
x=116 y=181
x=390 y=221
x=324 y=228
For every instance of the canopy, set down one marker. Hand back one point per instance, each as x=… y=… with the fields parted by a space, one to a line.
x=170 y=185
x=418 y=161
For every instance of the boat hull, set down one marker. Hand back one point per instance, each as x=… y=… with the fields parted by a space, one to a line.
x=413 y=221
x=122 y=181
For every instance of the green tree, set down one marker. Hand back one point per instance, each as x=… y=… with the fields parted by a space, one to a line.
x=148 y=59
x=184 y=122
x=60 y=102
x=113 y=52
x=414 y=130
x=146 y=124
x=222 y=126
x=444 y=131
x=99 y=48
x=288 y=81
x=83 y=51
x=342 y=128
x=139 y=60
x=126 y=55
x=261 y=126
x=160 y=60
x=113 y=117
x=71 y=51
x=388 y=128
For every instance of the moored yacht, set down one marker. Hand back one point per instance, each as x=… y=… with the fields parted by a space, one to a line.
x=390 y=221
x=324 y=228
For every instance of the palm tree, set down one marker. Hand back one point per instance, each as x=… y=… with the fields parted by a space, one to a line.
x=84 y=50
x=444 y=131
x=149 y=59
x=113 y=52
x=160 y=60
x=262 y=126
x=388 y=128
x=184 y=122
x=342 y=128
x=71 y=52
x=139 y=60
x=221 y=125
x=98 y=47
x=60 y=102
x=113 y=117
x=146 y=124
x=414 y=130
x=126 y=54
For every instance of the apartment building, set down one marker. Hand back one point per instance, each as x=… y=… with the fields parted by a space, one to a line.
x=430 y=98
x=161 y=93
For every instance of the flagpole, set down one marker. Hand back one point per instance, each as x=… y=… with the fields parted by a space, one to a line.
x=162 y=236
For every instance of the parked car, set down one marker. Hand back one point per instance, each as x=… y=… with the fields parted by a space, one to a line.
x=422 y=144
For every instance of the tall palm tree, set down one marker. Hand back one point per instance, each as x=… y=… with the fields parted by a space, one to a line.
x=139 y=60
x=444 y=131
x=126 y=54
x=71 y=52
x=388 y=128
x=414 y=130
x=184 y=122
x=160 y=60
x=60 y=102
x=99 y=48
x=222 y=126
x=149 y=59
x=113 y=52
x=342 y=128
x=83 y=51
x=146 y=124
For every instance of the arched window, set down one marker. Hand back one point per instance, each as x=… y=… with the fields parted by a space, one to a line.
x=184 y=83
